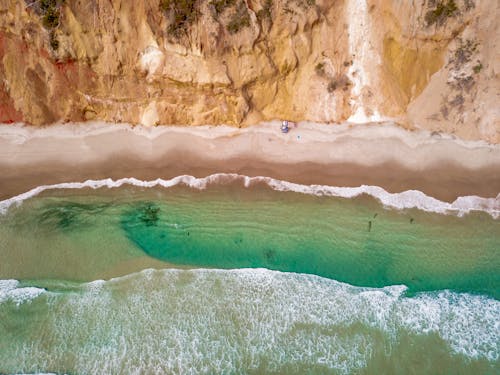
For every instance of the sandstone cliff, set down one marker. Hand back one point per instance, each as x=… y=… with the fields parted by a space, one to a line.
x=430 y=64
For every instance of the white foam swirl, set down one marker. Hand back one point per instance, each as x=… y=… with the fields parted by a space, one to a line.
x=10 y=291
x=404 y=200
x=237 y=321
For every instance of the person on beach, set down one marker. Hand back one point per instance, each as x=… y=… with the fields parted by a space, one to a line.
x=284 y=126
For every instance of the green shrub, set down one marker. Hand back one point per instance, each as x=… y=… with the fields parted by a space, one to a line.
x=51 y=18
x=304 y=4
x=320 y=69
x=339 y=82
x=165 y=5
x=183 y=13
x=239 y=21
x=54 y=43
x=442 y=11
x=332 y=86
x=265 y=12
x=50 y=15
x=47 y=4
x=469 y=4
x=221 y=5
x=477 y=68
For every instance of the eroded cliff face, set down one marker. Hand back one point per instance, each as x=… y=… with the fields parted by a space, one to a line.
x=430 y=64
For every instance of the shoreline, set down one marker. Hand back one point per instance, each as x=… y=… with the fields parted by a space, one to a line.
x=335 y=155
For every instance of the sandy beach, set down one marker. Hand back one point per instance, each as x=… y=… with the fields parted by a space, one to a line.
x=341 y=155
x=141 y=273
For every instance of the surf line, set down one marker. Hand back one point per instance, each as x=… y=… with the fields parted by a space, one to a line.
x=403 y=200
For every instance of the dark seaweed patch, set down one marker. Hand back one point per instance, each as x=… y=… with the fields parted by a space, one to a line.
x=270 y=255
x=70 y=215
x=143 y=226
x=149 y=215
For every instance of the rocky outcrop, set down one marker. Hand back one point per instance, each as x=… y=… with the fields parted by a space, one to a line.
x=427 y=64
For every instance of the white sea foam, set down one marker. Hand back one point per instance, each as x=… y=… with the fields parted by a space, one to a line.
x=404 y=200
x=10 y=291
x=239 y=321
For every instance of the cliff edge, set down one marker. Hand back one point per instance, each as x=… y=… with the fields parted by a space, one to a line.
x=431 y=64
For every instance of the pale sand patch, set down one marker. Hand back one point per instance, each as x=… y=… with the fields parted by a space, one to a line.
x=341 y=155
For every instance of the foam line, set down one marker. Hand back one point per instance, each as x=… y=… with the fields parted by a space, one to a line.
x=261 y=309
x=10 y=291
x=404 y=200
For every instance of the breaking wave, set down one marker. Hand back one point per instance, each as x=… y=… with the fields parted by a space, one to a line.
x=403 y=200
x=248 y=321
x=10 y=291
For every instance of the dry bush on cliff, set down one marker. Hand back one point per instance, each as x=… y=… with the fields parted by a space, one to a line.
x=181 y=13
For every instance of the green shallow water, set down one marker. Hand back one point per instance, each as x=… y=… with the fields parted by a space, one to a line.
x=89 y=235
x=354 y=317
x=242 y=322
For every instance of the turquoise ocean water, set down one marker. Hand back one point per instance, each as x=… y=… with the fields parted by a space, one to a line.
x=234 y=279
